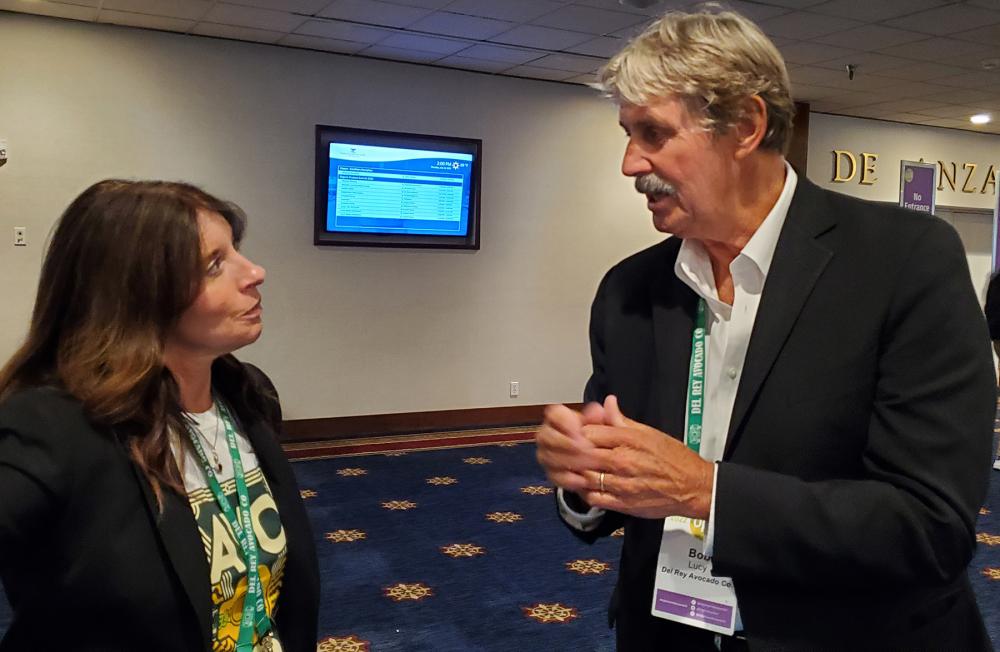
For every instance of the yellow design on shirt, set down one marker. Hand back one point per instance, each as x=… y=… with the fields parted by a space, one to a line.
x=227 y=568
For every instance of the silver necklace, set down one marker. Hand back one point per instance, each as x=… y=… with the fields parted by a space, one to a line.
x=215 y=441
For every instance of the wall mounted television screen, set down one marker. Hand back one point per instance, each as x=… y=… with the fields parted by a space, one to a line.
x=392 y=189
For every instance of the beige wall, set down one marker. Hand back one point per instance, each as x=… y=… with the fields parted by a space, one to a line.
x=348 y=331
x=362 y=331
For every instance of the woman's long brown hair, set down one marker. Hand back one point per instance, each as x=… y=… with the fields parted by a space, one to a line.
x=123 y=263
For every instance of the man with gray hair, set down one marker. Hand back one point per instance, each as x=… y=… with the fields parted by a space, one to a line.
x=792 y=399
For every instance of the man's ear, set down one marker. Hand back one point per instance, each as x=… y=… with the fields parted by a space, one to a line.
x=751 y=128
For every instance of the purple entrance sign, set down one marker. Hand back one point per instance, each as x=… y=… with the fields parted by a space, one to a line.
x=678 y=604
x=916 y=186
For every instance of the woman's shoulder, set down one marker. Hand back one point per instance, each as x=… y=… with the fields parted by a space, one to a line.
x=44 y=429
x=41 y=401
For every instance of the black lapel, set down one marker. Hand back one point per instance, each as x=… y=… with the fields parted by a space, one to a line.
x=674 y=305
x=798 y=261
x=185 y=550
x=266 y=447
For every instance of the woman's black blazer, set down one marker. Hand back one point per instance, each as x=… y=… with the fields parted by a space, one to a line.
x=89 y=562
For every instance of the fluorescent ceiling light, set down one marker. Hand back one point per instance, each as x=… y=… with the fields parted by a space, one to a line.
x=980 y=118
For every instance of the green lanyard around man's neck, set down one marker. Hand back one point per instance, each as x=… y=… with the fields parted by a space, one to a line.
x=696 y=382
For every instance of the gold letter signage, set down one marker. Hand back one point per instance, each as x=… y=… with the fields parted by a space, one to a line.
x=951 y=175
x=845 y=167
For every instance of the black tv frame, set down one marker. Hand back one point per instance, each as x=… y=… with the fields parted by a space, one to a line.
x=326 y=134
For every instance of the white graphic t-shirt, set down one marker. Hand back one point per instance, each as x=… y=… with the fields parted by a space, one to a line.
x=228 y=574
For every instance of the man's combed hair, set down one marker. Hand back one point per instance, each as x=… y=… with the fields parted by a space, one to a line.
x=713 y=60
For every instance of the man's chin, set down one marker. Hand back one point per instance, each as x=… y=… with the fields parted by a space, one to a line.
x=664 y=224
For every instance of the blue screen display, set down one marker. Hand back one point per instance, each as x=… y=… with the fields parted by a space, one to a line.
x=376 y=189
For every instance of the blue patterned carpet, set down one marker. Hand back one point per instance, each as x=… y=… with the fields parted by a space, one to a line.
x=460 y=550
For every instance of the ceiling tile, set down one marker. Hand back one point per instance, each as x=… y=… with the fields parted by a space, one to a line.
x=237 y=33
x=451 y=24
x=307 y=7
x=950 y=123
x=420 y=43
x=794 y=4
x=991 y=106
x=983 y=79
x=903 y=74
x=989 y=34
x=72 y=12
x=973 y=60
x=952 y=111
x=923 y=71
x=806 y=53
x=826 y=106
x=541 y=73
x=864 y=112
x=630 y=33
x=808 y=93
x=858 y=98
x=934 y=49
x=909 y=118
x=426 y=4
x=871 y=37
x=570 y=62
x=518 y=11
x=374 y=12
x=588 y=20
x=343 y=31
x=757 y=12
x=867 y=62
x=816 y=76
x=908 y=89
x=513 y=56
x=547 y=38
x=318 y=43
x=226 y=14
x=468 y=63
x=655 y=9
x=184 y=9
x=399 y=54
x=145 y=20
x=947 y=20
x=83 y=3
x=586 y=79
x=805 y=26
x=961 y=96
x=602 y=46
x=906 y=106
x=870 y=11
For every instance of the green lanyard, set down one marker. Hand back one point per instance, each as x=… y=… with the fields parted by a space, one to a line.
x=696 y=382
x=255 y=616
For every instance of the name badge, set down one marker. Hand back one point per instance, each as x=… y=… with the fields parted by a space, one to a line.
x=685 y=590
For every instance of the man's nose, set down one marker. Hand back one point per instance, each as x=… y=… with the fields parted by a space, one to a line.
x=634 y=164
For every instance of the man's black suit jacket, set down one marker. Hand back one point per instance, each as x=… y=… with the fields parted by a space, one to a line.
x=89 y=563
x=859 y=447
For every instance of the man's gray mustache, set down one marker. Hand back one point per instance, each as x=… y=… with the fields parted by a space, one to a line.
x=650 y=184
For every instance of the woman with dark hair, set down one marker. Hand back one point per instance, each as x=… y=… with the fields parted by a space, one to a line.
x=145 y=503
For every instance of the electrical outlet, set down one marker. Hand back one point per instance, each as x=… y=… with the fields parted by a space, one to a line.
x=515 y=389
x=20 y=236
